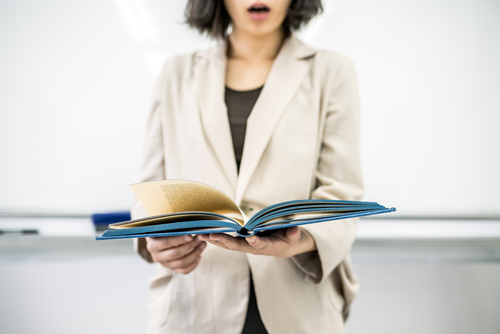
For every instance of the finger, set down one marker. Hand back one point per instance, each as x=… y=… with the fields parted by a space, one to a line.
x=176 y=253
x=293 y=233
x=232 y=243
x=187 y=260
x=279 y=234
x=189 y=268
x=204 y=237
x=259 y=243
x=162 y=243
x=285 y=235
x=218 y=244
x=276 y=241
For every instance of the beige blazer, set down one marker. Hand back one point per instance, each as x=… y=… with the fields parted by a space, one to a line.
x=302 y=141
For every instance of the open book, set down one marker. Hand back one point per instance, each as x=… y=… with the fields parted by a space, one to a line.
x=178 y=207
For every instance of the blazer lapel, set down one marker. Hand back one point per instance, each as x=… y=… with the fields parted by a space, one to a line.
x=286 y=75
x=209 y=73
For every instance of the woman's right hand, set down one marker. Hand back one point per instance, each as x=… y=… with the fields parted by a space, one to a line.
x=179 y=253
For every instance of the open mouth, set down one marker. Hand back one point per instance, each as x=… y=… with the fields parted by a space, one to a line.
x=258 y=11
x=258 y=8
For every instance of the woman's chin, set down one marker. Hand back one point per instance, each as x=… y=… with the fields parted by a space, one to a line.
x=259 y=29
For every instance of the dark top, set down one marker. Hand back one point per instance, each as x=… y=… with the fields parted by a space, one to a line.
x=239 y=106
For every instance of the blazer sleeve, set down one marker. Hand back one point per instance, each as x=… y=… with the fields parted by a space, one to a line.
x=338 y=174
x=153 y=167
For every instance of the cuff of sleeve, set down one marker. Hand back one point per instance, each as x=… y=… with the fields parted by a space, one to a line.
x=333 y=243
x=310 y=264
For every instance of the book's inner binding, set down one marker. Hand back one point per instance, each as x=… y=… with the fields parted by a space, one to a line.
x=180 y=207
x=224 y=226
x=280 y=214
x=183 y=206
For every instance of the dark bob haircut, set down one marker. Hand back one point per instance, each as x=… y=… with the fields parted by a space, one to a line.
x=211 y=17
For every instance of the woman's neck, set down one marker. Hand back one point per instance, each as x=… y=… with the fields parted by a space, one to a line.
x=251 y=47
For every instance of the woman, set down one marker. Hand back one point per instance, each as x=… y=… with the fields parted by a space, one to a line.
x=301 y=140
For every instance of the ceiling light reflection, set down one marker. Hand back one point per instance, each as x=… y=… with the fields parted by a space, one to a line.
x=138 y=20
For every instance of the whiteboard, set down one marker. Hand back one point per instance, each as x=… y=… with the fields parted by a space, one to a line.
x=77 y=77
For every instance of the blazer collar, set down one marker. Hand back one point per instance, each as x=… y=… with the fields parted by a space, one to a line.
x=286 y=75
x=292 y=46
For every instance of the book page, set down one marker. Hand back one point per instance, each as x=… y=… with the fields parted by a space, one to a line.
x=169 y=196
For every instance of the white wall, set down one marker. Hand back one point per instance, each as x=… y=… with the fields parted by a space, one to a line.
x=430 y=82
x=76 y=80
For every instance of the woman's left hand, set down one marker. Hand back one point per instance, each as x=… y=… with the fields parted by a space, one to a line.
x=281 y=243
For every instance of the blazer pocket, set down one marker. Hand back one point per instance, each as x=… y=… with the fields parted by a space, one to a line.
x=333 y=288
x=161 y=289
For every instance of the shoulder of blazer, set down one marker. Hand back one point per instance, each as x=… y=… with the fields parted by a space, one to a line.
x=333 y=69
x=331 y=61
x=179 y=66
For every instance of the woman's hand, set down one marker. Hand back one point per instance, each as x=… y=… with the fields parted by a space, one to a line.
x=180 y=253
x=282 y=243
